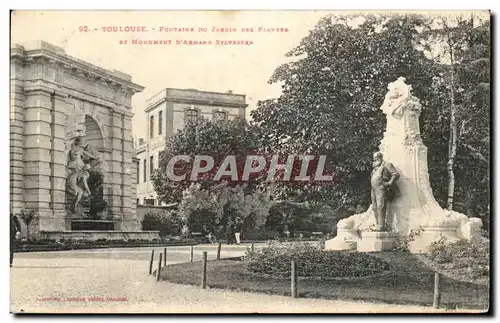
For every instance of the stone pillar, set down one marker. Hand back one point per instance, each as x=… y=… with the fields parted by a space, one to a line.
x=16 y=137
x=38 y=157
x=115 y=168
x=129 y=222
x=59 y=157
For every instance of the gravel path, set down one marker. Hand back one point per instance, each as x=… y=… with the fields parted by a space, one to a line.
x=117 y=281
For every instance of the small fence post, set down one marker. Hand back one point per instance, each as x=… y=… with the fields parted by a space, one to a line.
x=204 y=271
x=437 y=293
x=253 y=247
x=192 y=254
x=165 y=257
x=294 y=279
x=218 y=250
x=159 y=269
x=151 y=261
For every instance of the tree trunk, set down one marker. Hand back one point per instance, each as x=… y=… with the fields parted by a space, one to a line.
x=452 y=142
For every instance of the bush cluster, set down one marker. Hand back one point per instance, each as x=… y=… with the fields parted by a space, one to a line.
x=311 y=261
x=471 y=259
x=68 y=244
x=168 y=223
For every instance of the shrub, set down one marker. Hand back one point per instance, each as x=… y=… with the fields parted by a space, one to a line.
x=471 y=259
x=402 y=243
x=168 y=223
x=311 y=261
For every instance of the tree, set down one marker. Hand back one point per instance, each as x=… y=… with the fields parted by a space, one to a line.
x=464 y=48
x=213 y=207
x=215 y=139
x=332 y=91
x=168 y=223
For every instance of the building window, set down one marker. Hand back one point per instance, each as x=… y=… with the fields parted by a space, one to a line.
x=149 y=201
x=220 y=115
x=192 y=115
x=160 y=122
x=151 y=166
x=145 y=166
x=151 y=126
x=138 y=173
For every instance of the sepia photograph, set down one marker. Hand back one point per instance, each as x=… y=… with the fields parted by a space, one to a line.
x=250 y=161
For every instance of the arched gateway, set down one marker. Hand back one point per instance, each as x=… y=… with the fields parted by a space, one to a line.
x=71 y=145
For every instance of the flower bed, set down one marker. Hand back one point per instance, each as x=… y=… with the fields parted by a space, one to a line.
x=274 y=260
x=51 y=245
x=461 y=260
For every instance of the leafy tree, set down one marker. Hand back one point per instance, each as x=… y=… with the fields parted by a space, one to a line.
x=332 y=90
x=464 y=47
x=215 y=139
x=168 y=223
x=213 y=207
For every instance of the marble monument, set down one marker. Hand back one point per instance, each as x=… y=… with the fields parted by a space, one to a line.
x=414 y=208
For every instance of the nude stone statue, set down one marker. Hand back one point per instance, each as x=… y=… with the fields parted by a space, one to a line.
x=383 y=179
x=78 y=172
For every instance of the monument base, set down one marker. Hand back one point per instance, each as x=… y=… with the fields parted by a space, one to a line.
x=92 y=225
x=376 y=241
x=92 y=235
x=345 y=240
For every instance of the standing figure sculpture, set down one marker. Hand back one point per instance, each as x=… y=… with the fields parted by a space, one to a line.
x=384 y=188
x=78 y=172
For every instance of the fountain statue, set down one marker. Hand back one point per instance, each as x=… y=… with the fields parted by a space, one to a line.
x=414 y=207
x=84 y=183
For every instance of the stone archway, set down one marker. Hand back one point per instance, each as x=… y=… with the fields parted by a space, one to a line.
x=93 y=133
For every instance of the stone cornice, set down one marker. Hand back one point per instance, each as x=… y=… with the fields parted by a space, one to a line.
x=191 y=96
x=198 y=102
x=56 y=55
x=51 y=87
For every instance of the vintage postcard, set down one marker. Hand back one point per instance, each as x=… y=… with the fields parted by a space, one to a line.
x=250 y=161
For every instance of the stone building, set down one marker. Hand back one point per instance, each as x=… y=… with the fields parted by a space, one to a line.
x=56 y=98
x=168 y=112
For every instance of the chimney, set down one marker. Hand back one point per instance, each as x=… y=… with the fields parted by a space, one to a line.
x=230 y=91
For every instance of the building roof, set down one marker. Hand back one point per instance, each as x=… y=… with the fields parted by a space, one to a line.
x=193 y=96
x=42 y=49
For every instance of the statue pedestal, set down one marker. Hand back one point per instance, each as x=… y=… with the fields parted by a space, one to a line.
x=376 y=241
x=345 y=240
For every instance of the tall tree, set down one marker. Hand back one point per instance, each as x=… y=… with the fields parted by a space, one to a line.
x=332 y=90
x=215 y=139
x=463 y=45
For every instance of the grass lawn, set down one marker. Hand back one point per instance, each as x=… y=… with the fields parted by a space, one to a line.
x=409 y=281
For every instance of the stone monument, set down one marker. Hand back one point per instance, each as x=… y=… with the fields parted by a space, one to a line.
x=414 y=207
x=71 y=146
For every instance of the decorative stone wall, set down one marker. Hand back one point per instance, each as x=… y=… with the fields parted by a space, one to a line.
x=55 y=98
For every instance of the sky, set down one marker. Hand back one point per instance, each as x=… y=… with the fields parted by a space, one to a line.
x=243 y=69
